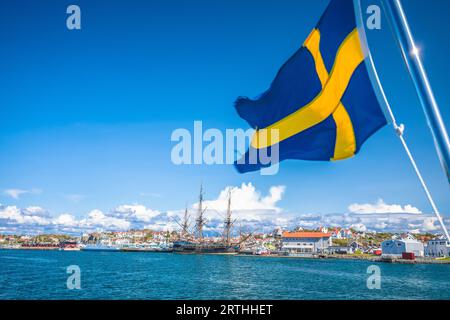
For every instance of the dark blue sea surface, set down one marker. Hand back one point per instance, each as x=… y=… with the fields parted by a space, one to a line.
x=27 y=274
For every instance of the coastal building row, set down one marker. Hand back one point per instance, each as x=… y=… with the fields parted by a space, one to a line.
x=296 y=243
x=307 y=243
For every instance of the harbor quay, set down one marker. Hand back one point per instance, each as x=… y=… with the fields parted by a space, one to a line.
x=321 y=243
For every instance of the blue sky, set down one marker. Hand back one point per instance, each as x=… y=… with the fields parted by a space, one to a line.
x=86 y=115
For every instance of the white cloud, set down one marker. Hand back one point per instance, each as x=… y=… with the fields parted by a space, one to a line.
x=135 y=212
x=380 y=226
x=253 y=209
x=35 y=211
x=430 y=224
x=247 y=203
x=66 y=220
x=381 y=207
x=97 y=219
x=16 y=193
x=246 y=197
x=360 y=227
x=28 y=216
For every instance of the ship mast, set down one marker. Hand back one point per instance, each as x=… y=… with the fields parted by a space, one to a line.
x=200 y=220
x=185 y=224
x=227 y=222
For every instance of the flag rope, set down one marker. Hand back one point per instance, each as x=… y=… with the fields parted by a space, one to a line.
x=424 y=186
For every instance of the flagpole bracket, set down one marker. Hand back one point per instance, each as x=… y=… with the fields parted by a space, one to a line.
x=399 y=129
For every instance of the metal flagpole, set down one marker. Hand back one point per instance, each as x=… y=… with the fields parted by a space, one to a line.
x=399 y=129
x=411 y=55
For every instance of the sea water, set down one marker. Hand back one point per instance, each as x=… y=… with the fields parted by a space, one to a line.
x=30 y=274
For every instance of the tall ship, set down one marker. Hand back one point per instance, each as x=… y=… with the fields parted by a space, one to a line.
x=195 y=242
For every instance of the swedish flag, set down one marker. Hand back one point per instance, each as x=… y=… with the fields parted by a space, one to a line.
x=321 y=104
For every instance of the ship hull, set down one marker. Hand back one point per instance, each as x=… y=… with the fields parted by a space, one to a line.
x=200 y=248
x=69 y=249
x=145 y=250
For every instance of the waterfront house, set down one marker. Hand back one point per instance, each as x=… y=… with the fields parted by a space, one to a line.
x=159 y=236
x=341 y=233
x=305 y=243
x=278 y=232
x=340 y=250
x=396 y=247
x=122 y=242
x=408 y=236
x=375 y=251
x=438 y=247
x=336 y=233
x=323 y=229
x=356 y=246
x=346 y=234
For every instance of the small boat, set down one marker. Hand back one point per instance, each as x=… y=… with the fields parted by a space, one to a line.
x=261 y=251
x=246 y=251
x=69 y=246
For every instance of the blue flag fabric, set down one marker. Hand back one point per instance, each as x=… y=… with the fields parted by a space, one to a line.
x=321 y=104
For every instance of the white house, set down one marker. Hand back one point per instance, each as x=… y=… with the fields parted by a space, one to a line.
x=278 y=232
x=336 y=233
x=409 y=236
x=305 y=243
x=346 y=234
x=396 y=247
x=323 y=229
x=340 y=233
x=340 y=250
x=438 y=247
x=356 y=246
x=122 y=241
